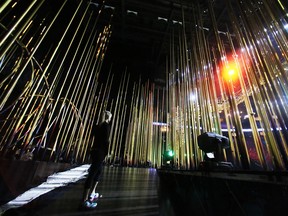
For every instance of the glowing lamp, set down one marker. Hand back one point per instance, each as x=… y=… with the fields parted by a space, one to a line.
x=168 y=159
x=230 y=71
x=170 y=153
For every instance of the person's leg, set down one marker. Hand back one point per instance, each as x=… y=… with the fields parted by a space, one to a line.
x=86 y=194
x=96 y=179
x=99 y=161
x=89 y=181
x=93 y=194
x=94 y=174
x=93 y=191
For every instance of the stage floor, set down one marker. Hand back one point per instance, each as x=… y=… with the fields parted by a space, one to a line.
x=125 y=191
x=150 y=192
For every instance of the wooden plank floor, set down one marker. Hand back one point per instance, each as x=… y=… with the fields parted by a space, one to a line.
x=125 y=191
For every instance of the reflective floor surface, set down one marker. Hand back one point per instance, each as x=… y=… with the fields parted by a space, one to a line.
x=150 y=192
x=125 y=191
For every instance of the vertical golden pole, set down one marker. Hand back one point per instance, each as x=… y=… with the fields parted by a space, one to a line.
x=117 y=134
x=115 y=123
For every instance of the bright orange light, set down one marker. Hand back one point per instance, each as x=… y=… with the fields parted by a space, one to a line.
x=230 y=71
x=233 y=67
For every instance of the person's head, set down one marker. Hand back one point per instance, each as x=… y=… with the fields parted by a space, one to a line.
x=107 y=116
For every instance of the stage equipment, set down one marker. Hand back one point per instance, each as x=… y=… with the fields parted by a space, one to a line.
x=212 y=145
x=168 y=159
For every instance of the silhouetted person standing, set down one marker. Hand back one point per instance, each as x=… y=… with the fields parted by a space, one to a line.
x=99 y=150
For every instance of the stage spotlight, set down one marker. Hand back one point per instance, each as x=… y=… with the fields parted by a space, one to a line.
x=212 y=145
x=168 y=158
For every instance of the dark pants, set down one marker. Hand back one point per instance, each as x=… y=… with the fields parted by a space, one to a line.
x=95 y=169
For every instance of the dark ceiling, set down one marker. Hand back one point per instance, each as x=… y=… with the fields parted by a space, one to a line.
x=141 y=32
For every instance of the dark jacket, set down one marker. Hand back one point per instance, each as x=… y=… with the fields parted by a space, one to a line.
x=101 y=134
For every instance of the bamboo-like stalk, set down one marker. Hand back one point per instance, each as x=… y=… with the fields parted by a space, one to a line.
x=128 y=149
x=88 y=82
x=87 y=79
x=116 y=119
x=53 y=84
x=269 y=91
x=135 y=122
x=121 y=122
x=34 y=92
x=81 y=99
x=11 y=31
x=118 y=152
x=74 y=93
x=4 y=5
x=256 y=137
x=11 y=88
